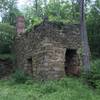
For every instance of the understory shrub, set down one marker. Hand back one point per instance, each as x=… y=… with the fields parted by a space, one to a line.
x=94 y=77
x=19 y=76
x=7 y=34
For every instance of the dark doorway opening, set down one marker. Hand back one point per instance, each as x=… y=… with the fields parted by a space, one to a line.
x=71 y=62
x=29 y=66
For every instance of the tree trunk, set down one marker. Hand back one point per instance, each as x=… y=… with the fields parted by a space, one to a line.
x=84 y=38
x=36 y=7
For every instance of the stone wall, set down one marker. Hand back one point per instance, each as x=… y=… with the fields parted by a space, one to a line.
x=49 y=60
x=46 y=45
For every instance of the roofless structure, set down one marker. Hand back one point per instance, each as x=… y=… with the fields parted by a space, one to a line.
x=49 y=50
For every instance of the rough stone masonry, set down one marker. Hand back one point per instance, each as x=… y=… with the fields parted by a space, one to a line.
x=49 y=50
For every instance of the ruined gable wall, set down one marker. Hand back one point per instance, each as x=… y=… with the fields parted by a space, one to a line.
x=47 y=45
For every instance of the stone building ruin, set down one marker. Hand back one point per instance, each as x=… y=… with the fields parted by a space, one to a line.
x=49 y=50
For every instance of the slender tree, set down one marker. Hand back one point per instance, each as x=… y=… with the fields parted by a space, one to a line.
x=84 y=37
x=36 y=6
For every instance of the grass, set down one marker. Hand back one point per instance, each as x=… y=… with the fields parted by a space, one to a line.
x=64 y=89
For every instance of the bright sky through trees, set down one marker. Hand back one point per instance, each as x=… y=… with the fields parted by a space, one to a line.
x=22 y=3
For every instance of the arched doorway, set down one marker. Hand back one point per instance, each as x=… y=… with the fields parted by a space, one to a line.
x=72 y=62
x=29 y=66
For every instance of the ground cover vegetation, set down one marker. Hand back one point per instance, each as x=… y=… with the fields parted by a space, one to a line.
x=56 y=10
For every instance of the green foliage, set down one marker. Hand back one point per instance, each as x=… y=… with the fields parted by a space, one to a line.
x=10 y=17
x=19 y=76
x=55 y=10
x=7 y=33
x=94 y=77
x=62 y=11
x=74 y=90
x=9 y=11
x=3 y=5
x=5 y=27
x=93 y=27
